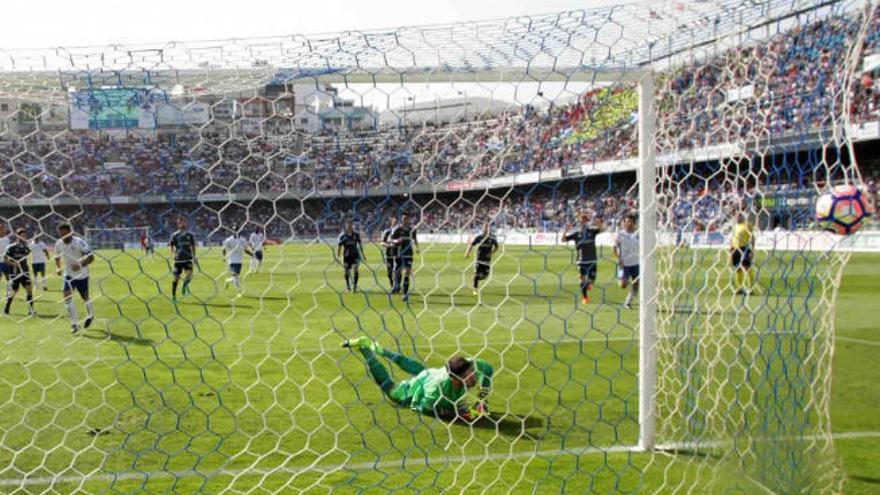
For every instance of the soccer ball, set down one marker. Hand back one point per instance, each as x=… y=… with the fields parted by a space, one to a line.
x=843 y=210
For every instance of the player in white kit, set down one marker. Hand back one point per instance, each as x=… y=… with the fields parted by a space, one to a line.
x=258 y=238
x=39 y=256
x=76 y=255
x=6 y=240
x=626 y=248
x=234 y=248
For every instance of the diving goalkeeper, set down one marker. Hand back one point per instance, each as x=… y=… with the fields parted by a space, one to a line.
x=436 y=391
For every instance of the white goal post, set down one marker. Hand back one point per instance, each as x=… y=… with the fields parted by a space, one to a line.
x=647 y=244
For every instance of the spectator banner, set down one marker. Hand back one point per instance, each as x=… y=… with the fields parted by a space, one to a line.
x=708 y=239
x=193 y=114
x=458 y=185
x=871 y=62
x=742 y=93
x=865 y=131
x=807 y=240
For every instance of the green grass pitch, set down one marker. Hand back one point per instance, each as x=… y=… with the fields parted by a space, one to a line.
x=255 y=393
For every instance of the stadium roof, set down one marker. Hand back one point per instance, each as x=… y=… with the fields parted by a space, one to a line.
x=582 y=44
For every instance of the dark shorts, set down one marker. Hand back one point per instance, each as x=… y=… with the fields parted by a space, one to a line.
x=258 y=255
x=39 y=268
x=81 y=286
x=741 y=258
x=404 y=262
x=181 y=266
x=235 y=268
x=350 y=263
x=4 y=269
x=587 y=269
x=20 y=280
x=482 y=269
x=628 y=273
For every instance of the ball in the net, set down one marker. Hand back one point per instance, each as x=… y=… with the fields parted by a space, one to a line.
x=843 y=210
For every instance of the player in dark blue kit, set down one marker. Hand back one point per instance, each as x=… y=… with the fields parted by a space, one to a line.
x=404 y=237
x=183 y=247
x=486 y=245
x=585 y=243
x=351 y=250
x=390 y=252
x=16 y=257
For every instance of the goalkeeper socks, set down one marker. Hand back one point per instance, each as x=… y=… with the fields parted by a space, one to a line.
x=174 y=288
x=377 y=370
x=347 y=280
x=71 y=311
x=407 y=364
x=357 y=277
x=751 y=274
x=739 y=279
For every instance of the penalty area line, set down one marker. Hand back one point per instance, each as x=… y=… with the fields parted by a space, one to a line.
x=397 y=463
x=428 y=347
x=853 y=340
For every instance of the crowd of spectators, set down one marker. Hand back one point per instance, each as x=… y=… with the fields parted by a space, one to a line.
x=698 y=205
x=793 y=79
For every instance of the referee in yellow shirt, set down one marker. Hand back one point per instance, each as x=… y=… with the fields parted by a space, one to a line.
x=741 y=244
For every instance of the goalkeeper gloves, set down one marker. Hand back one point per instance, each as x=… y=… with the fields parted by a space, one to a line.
x=474 y=413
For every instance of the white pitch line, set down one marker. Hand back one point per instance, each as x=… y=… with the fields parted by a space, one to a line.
x=845 y=435
x=398 y=463
x=309 y=350
x=760 y=485
x=318 y=468
x=854 y=340
x=464 y=345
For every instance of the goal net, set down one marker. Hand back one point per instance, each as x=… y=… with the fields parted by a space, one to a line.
x=550 y=132
x=117 y=237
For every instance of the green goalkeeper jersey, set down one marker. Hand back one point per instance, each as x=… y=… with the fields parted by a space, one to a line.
x=432 y=392
x=429 y=392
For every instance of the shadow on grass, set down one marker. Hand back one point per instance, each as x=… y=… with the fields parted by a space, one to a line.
x=865 y=479
x=685 y=310
x=509 y=424
x=269 y=298
x=122 y=339
x=223 y=304
x=445 y=299
x=701 y=454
